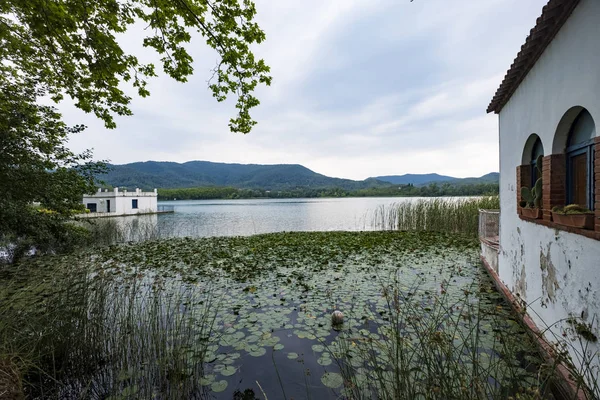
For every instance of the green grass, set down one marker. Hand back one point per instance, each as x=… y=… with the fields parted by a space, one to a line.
x=435 y=215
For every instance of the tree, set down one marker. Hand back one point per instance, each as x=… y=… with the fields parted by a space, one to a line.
x=53 y=48
x=70 y=47
x=36 y=167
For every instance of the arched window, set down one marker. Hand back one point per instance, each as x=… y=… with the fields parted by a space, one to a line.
x=537 y=150
x=580 y=161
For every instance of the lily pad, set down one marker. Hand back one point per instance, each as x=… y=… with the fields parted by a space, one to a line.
x=332 y=380
x=324 y=360
x=219 y=386
x=258 y=352
x=207 y=380
x=318 y=348
x=228 y=371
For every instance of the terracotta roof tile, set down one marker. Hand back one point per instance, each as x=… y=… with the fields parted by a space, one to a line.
x=554 y=15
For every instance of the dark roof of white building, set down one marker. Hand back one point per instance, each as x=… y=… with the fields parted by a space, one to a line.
x=554 y=15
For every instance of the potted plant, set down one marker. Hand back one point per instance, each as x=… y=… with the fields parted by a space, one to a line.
x=532 y=198
x=574 y=216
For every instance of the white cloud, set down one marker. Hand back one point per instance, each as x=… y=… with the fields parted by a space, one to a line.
x=361 y=88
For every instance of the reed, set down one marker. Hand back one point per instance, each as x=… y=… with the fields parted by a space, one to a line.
x=437 y=215
x=438 y=354
x=96 y=337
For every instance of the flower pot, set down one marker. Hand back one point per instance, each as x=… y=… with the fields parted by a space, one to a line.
x=584 y=221
x=531 y=213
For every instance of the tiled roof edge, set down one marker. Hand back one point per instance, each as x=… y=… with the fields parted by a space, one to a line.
x=554 y=15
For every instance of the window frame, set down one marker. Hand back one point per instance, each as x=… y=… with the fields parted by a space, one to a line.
x=578 y=149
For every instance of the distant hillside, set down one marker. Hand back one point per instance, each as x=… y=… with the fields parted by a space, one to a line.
x=492 y=177
x=154 y=174
x=426 y=179
x=415 y=179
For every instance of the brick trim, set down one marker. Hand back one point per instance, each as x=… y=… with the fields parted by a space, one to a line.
x=597 y=182
x=554 y=176
x=523 y=179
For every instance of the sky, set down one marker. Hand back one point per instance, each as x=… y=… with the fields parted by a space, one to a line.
x=360 y=88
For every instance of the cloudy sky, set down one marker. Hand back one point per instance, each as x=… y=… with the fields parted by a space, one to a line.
x=360 y=88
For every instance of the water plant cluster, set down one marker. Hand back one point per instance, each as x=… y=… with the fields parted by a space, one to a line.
x=217 y=317
x=435 y=215
x=251 y=316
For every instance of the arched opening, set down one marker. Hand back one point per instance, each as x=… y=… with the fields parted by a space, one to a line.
x=561 y=136
x=538 y=150
x=580 y=160
x=533 y=147
x=531 y=151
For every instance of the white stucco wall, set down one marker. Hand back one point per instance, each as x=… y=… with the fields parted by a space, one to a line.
x=555 y=272
x=121 y=202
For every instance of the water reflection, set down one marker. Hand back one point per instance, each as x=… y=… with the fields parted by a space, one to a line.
x=204 y=218
x=201 y=218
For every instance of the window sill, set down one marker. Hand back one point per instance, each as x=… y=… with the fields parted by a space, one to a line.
x=590 y=233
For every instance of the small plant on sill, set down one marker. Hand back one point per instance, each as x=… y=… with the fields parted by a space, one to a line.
x=572 y=209
x=574 y=216
x=532 y=198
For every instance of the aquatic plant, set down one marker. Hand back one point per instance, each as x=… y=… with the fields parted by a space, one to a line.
x=442 y=345
x=436 y=215
x=86 y=335
x=190 y=318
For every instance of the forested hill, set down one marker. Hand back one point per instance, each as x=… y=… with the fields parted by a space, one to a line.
x=426 y=179
x=155 y=174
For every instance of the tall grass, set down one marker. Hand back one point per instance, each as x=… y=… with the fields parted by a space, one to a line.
x=436 y=215
x=101 y=338
x=446 y=353
x=107 y=231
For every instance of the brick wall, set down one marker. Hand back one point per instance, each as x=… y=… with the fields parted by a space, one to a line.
x=597 y=182
x=554 y=188
x=554 y=178
x=523 y=179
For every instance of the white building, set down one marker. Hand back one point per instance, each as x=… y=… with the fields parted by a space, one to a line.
x=549 y=105
x=117 y=202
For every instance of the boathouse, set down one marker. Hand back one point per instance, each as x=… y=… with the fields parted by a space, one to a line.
x=549 y=109
x=121 y=202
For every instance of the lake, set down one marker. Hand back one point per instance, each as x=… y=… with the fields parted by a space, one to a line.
x=249 y=317
x=248 y=217
x=244 y=310
x=203 y=218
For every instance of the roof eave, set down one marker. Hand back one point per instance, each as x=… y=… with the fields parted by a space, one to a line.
x=554 y=15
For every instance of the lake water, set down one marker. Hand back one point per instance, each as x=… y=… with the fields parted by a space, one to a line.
x=202 y=218
x=248 y=217
x=235 y=317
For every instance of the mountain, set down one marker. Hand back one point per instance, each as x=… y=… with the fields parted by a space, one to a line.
x=167 y=175
x=426 y=179
x=492 y=177
x=415 y=179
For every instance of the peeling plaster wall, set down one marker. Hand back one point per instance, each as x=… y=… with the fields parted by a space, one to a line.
x=490 y=255
x=556 y=273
